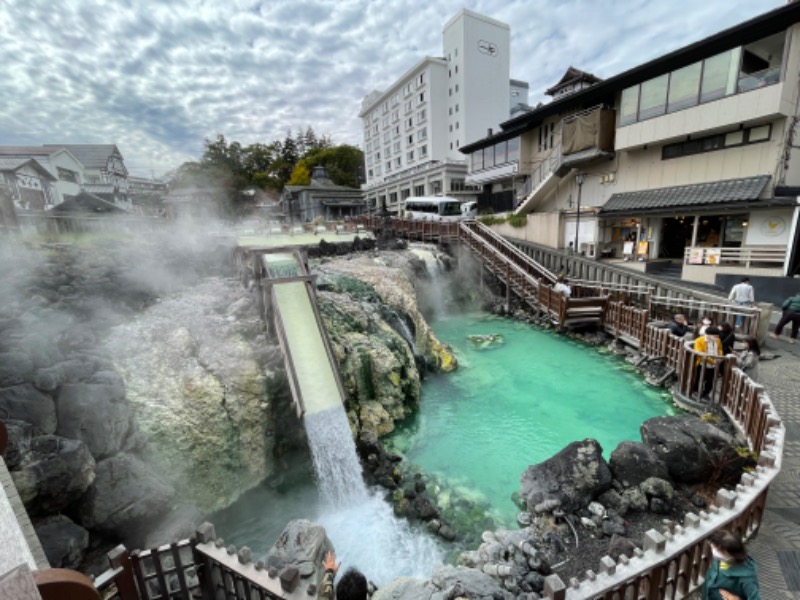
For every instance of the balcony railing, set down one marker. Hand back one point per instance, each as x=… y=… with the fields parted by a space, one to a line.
x=747 y=256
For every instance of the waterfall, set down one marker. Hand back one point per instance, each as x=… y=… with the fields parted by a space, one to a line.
x=360 y=523
x=399 y=322
x=339 y=476
x=432 y=293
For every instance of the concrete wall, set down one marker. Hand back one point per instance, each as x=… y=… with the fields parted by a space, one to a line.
x=541 y=228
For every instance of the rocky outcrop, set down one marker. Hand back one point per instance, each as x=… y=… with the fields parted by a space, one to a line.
x=25 y=403
x=381 y=341
x=569 y=480
x=126 y=498
x=96 y=414
x=633 y=462
x=446 y=582
x=53 y=473
x=693 y=450
x=64 y=543
x=195 y=371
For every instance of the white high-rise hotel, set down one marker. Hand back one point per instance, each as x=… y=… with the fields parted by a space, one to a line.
x=413 y=130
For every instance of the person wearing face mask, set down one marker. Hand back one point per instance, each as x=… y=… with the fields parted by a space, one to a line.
x=732 y=574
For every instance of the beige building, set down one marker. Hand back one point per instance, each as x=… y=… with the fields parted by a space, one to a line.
x=688 y=159
x=414 y=128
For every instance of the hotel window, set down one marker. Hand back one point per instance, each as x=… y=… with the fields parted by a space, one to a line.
x=410 y=122
x=513 y=150
x=450 y=92
x=477 y=160
x=500 y=153
x=719 y=141
x=456 y=107
x=456 y=87
x=409 y=106
x=456 y=185
x=422 y=134
x=421 y=98
x=419 y=190
x=451 y=111
x=653 y=97
x=411 y=139
x=405 y=193
x=456 y=124
x=421 y=78
x=398 y=161
x=451 y=128
x=397 y=146
x=684 y=85
x=423 y=151
x=388 y=166
x=719 y=75
x=421 y=116
x=629 y=106
x=395 y=116
x=410 y=155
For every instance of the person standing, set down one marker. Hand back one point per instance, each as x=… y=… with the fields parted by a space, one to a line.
x=706 y=366
x=732 y=573
x=748 y=359
x=743 y=295
x=791 y=312
x=678 y=326
x=727 y=337
x=561 y=286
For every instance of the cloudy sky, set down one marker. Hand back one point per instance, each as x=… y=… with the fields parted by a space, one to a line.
x=157 y=78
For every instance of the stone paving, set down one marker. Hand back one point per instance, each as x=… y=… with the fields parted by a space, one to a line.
x=776 y=546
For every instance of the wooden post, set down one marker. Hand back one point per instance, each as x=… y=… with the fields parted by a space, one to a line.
x=118 y=558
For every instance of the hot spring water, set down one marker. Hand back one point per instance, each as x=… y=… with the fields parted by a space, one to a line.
x=508 y=406
x=516 y=400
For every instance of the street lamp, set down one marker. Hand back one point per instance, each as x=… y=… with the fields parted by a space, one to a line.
x=579 y=179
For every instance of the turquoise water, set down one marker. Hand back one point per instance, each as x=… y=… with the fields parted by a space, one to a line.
x=515 y=404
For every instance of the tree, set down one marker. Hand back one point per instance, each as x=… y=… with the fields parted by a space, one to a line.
x=342 y=163
x=301 y=175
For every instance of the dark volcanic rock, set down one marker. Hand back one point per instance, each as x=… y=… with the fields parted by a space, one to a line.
x=95 y=413
x=694 y=451
x=63 y=541
x=15 y=368
x=572 y=478
x=26 y=403
x=126 y=496
x=633 y=462
x=55 y=472
x=19 y=442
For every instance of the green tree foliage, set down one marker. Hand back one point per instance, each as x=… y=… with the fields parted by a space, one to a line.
x=300 y=175
x=233 y=168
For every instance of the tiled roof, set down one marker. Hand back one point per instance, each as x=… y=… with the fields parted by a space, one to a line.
x=12 y=164
x=696 y=194
x=92 y=156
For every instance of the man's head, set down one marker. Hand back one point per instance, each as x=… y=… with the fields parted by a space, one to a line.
x=745 y=280
x=352 y=586
x=712 y=331
x=679 y=318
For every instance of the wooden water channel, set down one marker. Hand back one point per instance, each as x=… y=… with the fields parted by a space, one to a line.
x=671 y=563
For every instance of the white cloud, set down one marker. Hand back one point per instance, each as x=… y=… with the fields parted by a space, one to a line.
x=156 y=78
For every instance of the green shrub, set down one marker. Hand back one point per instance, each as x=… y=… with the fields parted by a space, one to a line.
x=518 y=220
x=490 y=220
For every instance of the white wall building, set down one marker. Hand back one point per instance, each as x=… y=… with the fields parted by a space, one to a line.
x=413 y=129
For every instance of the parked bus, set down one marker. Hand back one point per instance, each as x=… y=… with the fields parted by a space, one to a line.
x=433 y=208
x=469 y=210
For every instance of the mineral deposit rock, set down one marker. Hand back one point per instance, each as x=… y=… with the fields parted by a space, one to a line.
x=25 y=403
x=63 y=541
x=633 y=462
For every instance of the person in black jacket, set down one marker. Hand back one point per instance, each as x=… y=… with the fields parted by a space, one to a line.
x=727 y=336
x=791 y=312
x=678 y=326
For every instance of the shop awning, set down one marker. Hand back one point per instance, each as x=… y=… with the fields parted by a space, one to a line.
x=687 y=197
